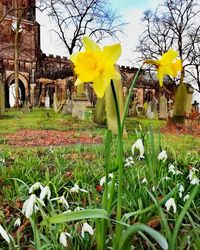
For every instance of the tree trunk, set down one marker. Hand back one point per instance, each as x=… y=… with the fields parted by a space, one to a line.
x=16 y=66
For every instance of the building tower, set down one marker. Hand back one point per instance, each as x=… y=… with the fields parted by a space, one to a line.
x=18 y=16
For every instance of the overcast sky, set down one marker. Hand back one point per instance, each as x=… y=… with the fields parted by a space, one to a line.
x=131 y=10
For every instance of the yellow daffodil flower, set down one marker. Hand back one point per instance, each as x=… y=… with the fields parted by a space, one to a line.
x=96 y=65
x=166 y=65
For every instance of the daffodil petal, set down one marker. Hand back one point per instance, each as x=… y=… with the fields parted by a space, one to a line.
x=169 y=56
x=100 y=85
x=112 y=52
x=117 y=75
x=90 y=45
x=176 y=67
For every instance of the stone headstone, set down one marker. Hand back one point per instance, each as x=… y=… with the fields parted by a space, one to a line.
x=47 y=102
x=179 y=110
x=149 y=112
x=67 y=107
x=163 y=108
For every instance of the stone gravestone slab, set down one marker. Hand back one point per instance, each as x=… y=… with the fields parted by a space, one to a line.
x=67 y=107
x=79 y=109
x=154 y=107
x=179 y=110
x=163 y=108
x=149 y=113
x=47 y=102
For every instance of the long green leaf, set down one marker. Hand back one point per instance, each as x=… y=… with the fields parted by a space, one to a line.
x=77 y=215
x=141 y=227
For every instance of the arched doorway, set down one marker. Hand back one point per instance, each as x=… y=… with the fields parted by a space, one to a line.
x=10 y=90
x=12 y=94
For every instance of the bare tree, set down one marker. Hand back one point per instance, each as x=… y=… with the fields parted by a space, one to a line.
x=175 y=24
x=76 y=18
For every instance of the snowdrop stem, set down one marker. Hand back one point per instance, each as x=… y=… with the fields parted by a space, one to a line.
x=184 y=210
x=120 y=165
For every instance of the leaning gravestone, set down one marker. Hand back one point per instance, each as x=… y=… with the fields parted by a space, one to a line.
x=163 y=108
x=149 y=113
x=179 y=111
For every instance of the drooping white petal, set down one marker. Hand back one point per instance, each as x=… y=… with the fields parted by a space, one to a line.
x=34 y=187
x=144 y=180
x=28 y=206
x=4 y=234
x=186 y=197
x=138 y=145
x=171 y=203
x=63 y=201
x=194 y=181
x=45 y=192
x=86 y=228
x=63 y=239
x=162 y=156
x=75 y=189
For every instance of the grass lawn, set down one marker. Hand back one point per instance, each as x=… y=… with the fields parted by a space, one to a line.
x=148 y=183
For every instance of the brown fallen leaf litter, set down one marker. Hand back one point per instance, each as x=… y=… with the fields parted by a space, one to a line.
x=30 y=138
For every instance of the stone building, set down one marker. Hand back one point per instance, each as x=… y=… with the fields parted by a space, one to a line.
x=40 y=75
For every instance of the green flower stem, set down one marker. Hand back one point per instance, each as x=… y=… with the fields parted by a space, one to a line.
x=120 y=165
x=180 y=218
x=129 y=96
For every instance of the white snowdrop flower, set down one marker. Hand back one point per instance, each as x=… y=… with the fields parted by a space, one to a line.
x=194 y=181
x=162 y=156
x=34 y=187
x=45 y=192
x=30 y=205
x=63 y=201
x=171 y=169
x=171 y=203
x=166 y=178
x=181 y=190
x=63 y=238
x=86 y=228
x=186 y=197
x=2 y=160
x=153 y=189
x=4 y=234
x=129 y=162
x=76 y=189
x=138 y=145
x=103 y=179
x=17 y=222
x=144 y=180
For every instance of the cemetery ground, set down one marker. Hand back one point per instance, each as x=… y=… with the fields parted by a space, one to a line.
x=61 y=152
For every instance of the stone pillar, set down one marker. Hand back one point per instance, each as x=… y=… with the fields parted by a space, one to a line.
x=32 y=93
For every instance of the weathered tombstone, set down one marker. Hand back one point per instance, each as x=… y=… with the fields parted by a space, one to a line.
x=170 y=107
x=149 y=113
x=55 y=102
x=67 y=107
x=163 y=108
x=47 y=101
x=179 y=110
x=190 y=92
x=154 y=107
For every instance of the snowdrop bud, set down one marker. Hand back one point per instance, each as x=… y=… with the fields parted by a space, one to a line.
x=171 y=203
x=4 y=234
x=186 y=197
x=162 y=156
x=17 y=222
x=86 y=228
